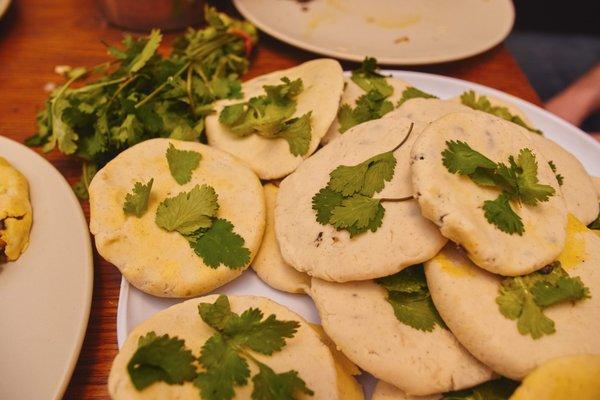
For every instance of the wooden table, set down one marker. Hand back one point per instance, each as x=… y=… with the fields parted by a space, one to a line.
x=36 y=35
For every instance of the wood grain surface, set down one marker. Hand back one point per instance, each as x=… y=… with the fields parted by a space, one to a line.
x=36 y=35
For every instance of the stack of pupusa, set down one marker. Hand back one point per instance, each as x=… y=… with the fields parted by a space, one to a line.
x=465 y=349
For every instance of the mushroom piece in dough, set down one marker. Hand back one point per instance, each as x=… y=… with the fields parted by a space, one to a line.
x=301 y=353
x=163 y=263
x=268 y=264
x=361 y=322
x=270 y=158
x=15 y=212
x=351 y=94
x=404 y=238
x=466 y=296
x=455 y=203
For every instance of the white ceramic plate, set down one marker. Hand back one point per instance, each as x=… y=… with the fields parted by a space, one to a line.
x=135 y=306
x=393 y=31
x=45 y=295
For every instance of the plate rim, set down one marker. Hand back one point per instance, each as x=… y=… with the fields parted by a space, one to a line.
x=61 y=388
x=123 y=304
x=390 y=61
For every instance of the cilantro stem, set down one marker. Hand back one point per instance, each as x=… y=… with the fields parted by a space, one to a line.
x=405 y=138
x=189 y=88
x=97 y=85
x=394 y=199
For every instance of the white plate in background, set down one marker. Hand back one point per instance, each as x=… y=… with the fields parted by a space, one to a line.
x=136 y=306
x=396 y=32
x=45 y=295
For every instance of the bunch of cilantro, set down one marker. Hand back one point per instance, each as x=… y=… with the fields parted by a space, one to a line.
x=140 y=94
x=224 y=358
x=518 y=182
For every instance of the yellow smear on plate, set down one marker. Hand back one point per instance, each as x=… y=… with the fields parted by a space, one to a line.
x=574 y=251
x=452 y=267
x=395 y=22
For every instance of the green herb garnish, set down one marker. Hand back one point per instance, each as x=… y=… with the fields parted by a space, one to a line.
x=409 y=296
x=368 y=79
x=140 y=95
x=498 y=389
x=559 y=177
x=182 y=163
x=370 y=106
x=270 y=116
x=524 y=298
x=413 y=93
x=482 y=103
x=347 y=201
x=518 y=182
x=136 y=202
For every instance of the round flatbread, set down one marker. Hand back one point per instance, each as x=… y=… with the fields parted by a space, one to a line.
x=428 y=110
x=271 y=158
x=596 y=183
x=385 y=391
x=405 y=238
x=577 y=186
x=268 y=264
x=301 y=353
x=156 y=261
x=351 y=93
x=455 y=202
x=496 y=102
x=15 y=212
x=465 y=296
x=358 y=318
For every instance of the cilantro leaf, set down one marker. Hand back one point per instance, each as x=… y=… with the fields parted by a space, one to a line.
x=460 y=158
x=297 y=133
x=500 y=213
x=324 y=202
x=188 y=211
x=270 y=116
x=524 y=298
x=498 y=389
x=412 y=92
x=559 y=177
x=221 y=245
x=482 y=103
x=367 y=178
x=530 y=191
x=225 y=355
x=368 y=79
x=269 y=385
x=370 y=106
x=225 y=369
x=358 y=212
x=136 y=202
x=408 y=294
x=161 y=358
x=147 y=52
x=182 y=163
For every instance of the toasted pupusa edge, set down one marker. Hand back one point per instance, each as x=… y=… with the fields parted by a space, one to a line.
x=302 y=352
x=465 y=297
x=15 y=212
x=577 y=187
x=349 y=388
x=455 y=203
x=268 y=264
x=564 y=378
x=351 y=93
x=428 y=110
x=360 y=321
x=385 y=391
x=405 y=238
x=155 y=261
x=271 y=158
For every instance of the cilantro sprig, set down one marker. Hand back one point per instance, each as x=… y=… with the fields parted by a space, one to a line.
x=368 y=79
x=409 y=296
x=270 y=116
x=498 y=389
x=224 y=358
x=136 y=202
x=369 y=106
x=347 y=201
x=517 y=181
x=412 y=92
x=524 y=298
x=182 y=163
x=482 y=103
x=140 y=94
